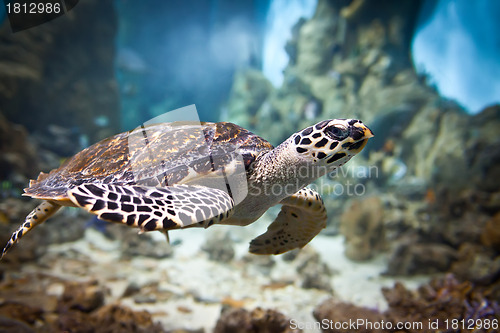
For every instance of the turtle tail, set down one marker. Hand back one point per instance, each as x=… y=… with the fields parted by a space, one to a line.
x=39 y=215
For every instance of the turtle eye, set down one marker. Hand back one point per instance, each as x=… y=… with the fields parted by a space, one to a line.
x=337 y=132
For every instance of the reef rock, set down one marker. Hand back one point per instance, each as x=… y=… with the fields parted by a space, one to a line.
x=332 y=311
x=491 y=233
x=12 y=213
x=12 y=325
x=351 y=60
x=433 y=148
x=219 y=247
x=62 y=72
x=79 y=307
x=255 y=321
x=33 y=248
x=362 y=224
x=483 y=149
x=116 y=318
x=250 y=89
x=133 y=246
x=18 y=159
x=428 y=309
x=440 y=300
x=314 y=272
x=18 y=313
x=410 y=258
x=477 y=264
x=84 y=297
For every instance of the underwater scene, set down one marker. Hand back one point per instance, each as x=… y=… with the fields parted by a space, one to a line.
x=335 y=165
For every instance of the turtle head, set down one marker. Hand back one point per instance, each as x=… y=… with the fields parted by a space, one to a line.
x=332 y=143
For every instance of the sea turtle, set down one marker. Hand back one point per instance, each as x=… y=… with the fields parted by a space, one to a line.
x=168 y=176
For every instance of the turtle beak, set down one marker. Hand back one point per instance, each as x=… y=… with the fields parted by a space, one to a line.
x=367 y=133
x=360 y=134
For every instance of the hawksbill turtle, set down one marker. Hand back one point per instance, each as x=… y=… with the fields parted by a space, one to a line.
x=167 y=176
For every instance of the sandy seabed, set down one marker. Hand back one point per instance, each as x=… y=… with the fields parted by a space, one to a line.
x=188 y=291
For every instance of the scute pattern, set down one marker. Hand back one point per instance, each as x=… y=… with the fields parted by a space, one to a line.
x=156 y=155
x=150 y=208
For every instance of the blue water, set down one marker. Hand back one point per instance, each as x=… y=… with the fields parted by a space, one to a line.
x=282 y=16
x=459 y=48
x=191 y=57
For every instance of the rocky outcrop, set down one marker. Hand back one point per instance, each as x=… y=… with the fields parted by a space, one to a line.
x=313 y=272
x=18 y=158
x=78 y=307
x=331 y=311
x=437 y=168
x=219 y=247
x=427 y=309
x=362 y=224
x=62 y=72
x=257 y=320
x=352 y=60
x=412 y=258
x=250 y=89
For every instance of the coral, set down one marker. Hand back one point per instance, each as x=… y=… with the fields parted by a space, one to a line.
x=477 y=264
x=27 y=307
x=432 y=307
x=340 y=312
x=443 y=231
x=491 y=233
x=257 y=320
x=362 y=225
x=442 y=299
x=410 y=258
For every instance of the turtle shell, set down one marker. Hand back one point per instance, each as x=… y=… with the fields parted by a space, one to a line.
x=156 y=155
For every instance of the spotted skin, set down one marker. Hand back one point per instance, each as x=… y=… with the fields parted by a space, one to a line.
x=321 y=142
x=150 y=208
x=302 y=217
x=39 y=215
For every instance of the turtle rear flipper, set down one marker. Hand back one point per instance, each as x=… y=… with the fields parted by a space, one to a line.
x=152 y=208
x=301 y=218
x=37 y=216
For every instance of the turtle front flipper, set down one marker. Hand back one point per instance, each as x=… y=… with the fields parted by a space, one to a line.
x=301 y=218
x=153 y=208
x=37 y=216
